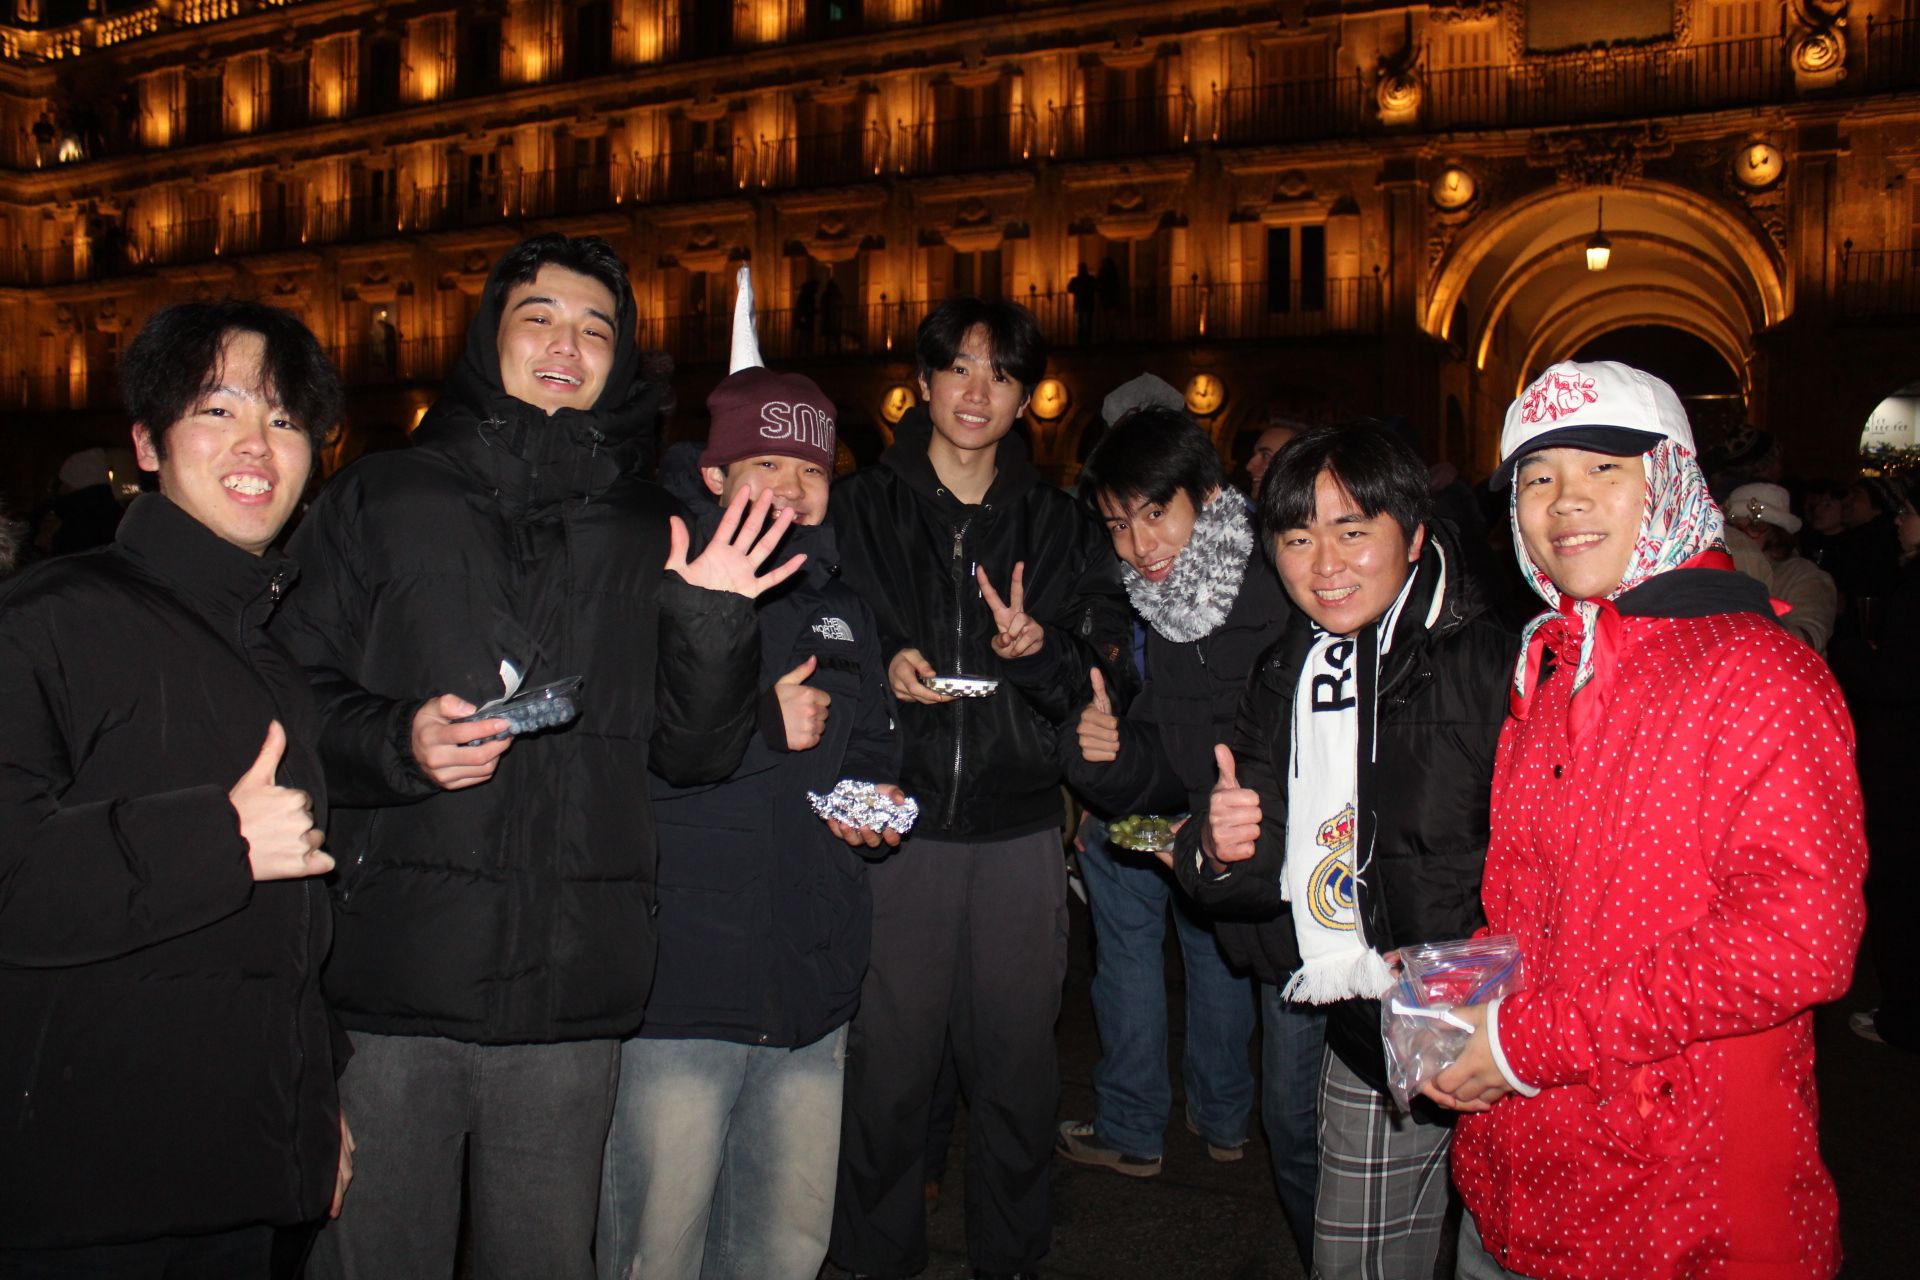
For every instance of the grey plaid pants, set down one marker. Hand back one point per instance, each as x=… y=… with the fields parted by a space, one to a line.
x=1383 y=1184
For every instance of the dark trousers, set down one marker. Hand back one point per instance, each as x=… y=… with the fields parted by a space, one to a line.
x=526 y=1124
x=247 y=1253
x=969 y=943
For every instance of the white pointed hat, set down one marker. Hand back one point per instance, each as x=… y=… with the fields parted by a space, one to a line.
x=746 y=348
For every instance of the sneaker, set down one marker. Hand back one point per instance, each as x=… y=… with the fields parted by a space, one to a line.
x=1224 y=1155
x=1862 y=1025
x=1078 y=1143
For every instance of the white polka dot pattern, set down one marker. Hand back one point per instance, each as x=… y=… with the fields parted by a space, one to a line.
x=1685 y=883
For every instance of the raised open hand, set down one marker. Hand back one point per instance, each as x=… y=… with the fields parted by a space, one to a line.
x=1017 y=635
x=742 y=543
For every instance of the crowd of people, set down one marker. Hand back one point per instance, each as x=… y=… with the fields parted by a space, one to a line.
x=511 y=856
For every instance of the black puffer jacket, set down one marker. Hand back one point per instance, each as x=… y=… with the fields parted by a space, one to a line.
x=1193 y=689
x=166 y=1063
x=986 y=768
x=765 y=918
x=519 y=910
x=1423 y=802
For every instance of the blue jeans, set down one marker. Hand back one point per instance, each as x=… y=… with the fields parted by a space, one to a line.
x=1129 y=895
x=721 y=1160
x=1293 y=1041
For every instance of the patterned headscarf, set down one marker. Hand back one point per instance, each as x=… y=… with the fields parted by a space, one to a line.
x=1678 y=523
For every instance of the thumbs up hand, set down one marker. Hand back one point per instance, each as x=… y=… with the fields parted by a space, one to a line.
x=803 y=710
x=1233 y=815
x=276 y=821
x=1099 y=728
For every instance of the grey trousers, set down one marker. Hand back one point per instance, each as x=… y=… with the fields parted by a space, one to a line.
x=969 y=947
x=527 y=1123
x=1382 y=1203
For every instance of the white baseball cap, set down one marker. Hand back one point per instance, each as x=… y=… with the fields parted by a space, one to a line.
x=1600 y=405
x=1766 y=503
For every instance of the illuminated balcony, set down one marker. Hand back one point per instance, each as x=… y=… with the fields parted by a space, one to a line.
x=1185 y=313
x=822 y=159
x=965 y=144
x=1106 y=129
x=1289 y=111
x=1879 y=282
x=423 y=360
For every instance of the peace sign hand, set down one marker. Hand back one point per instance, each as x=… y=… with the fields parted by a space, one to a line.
x=1018 y=635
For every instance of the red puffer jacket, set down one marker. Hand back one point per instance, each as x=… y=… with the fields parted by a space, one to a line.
x=1685 y=884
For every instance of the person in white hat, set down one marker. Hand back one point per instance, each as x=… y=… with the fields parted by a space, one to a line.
x=1678 y=847
x=1760 y=538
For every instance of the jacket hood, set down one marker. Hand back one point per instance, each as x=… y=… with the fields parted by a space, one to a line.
x=907 y=455
x=621 y=422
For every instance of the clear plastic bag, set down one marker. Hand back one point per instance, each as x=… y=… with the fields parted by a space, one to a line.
x=1417 y=1025
x=529 y=711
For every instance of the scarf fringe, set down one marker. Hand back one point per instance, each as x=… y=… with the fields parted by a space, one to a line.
x=1331 y=979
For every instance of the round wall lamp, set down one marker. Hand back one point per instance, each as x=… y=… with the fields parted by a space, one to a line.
x=894 y=405
x=1758 y=165
x=1205 y=395
x=1454 y=189
x=1050 y=399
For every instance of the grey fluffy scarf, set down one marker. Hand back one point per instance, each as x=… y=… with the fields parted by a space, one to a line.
x=1206 y=577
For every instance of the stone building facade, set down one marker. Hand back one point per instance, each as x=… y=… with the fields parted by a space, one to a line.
x=1310 y=209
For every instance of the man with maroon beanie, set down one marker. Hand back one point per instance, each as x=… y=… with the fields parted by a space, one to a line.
x=726 y=1131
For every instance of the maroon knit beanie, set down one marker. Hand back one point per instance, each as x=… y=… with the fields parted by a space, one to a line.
x=758 y=412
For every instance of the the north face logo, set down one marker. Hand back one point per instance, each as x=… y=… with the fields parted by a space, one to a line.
x=833 y=629
x=1555 y=395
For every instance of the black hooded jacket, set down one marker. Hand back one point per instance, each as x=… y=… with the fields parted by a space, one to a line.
x=985 y=768
x=166 y=1062
x=1425 y=786
x=520 y=910
x=765 y=918
x=1165 y=764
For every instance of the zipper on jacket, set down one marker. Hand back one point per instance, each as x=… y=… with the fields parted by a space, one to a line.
x=955 y=567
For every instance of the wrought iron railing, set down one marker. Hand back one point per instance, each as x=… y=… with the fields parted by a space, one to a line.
x=1879 y=282
x=1288 y=111
x=374 y=361
x=1113 y=127
x=965 y=144
x=1892 y=54
x=1609 y=84
x=821 y=159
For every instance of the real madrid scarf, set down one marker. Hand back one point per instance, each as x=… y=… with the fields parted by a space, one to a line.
x=1338 y=684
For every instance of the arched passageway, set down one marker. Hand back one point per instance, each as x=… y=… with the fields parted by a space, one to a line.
x=1512 y=292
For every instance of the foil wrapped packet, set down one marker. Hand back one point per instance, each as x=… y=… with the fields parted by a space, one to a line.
x=860 y=804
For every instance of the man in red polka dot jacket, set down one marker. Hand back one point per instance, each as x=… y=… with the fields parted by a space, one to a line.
x=1677 y=844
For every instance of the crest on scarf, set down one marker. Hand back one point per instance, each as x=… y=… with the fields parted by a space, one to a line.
x=1331 y=896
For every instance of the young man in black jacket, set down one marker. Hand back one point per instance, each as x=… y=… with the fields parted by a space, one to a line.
x=1196 y=575
x=494 y=906
x=1350 y=816
x=168 y=1063
x=726 y=1134
x=973 y=568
